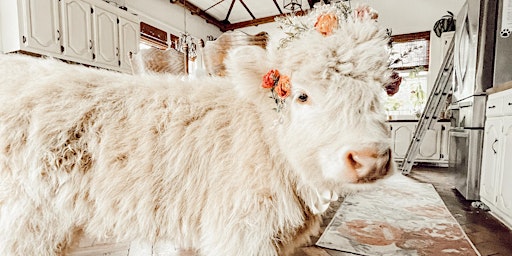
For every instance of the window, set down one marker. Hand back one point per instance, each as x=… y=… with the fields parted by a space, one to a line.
x=411 y=98
x=410 y=58
x=152 y=36
x=410 y=50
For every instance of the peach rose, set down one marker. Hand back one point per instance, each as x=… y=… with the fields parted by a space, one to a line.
x=270 y=78
x=283 y=88
x=326 y=23
x=362 y=11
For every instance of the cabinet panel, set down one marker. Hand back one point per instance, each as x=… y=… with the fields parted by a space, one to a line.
x=504 y=200
x=490 y=151
x=129 y=32
x=430 y=145
x=106 y=45
x=42 y=25
x=402 y=135
x=76 y=24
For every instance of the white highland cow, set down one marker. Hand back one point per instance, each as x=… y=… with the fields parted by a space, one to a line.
x=242 y=165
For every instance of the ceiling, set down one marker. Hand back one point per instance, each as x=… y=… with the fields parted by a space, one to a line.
x=234 y=14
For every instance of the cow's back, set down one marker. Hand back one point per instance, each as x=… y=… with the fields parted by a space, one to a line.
x=104 y=149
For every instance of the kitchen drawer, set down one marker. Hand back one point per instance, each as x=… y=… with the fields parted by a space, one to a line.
x=507 y=103
x=494 y=106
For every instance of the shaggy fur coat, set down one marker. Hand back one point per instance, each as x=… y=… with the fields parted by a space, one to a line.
x=206 y=164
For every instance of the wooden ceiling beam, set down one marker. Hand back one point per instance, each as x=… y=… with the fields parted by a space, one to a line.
x=277 y=6
x=247 y=9
x=197 y=11
x=226 y=20
x=226 y=26
x=257 y=22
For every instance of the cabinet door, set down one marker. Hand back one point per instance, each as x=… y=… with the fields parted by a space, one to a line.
x=430 y=148
x=402 y=134
x=41 y=31
x=106 y=45
x=129 y=36
x=505 y=179
x=76 y=24
x=490 y=159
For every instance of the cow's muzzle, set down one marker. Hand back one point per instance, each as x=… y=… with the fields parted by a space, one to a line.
x=369 y=164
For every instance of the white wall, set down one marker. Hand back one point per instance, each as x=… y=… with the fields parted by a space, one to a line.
x=402 y=16
x=1 y=46
x=169 y=17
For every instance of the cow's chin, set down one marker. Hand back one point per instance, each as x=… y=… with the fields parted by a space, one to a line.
x=354 y=185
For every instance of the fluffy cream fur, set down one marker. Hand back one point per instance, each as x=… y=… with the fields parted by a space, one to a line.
x=205 y=163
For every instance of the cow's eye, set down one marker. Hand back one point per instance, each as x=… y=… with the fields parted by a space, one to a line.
x=302 y=97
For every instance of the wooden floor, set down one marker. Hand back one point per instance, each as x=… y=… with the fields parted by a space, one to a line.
x=489 y=235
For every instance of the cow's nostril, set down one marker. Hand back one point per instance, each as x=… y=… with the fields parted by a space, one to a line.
x=368 y=165
x=353 y=163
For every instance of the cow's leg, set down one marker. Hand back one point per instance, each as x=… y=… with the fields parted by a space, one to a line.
x=31 y=226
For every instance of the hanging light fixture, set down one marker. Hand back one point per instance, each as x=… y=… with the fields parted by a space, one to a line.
x=186 y=42
x=292 y=4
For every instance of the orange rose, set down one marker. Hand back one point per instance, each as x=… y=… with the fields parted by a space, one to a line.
x=326 y=23
x=362 y=11
x=283 y=88
x=270 y=78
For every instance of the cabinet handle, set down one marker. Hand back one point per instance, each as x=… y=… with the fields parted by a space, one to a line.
x=510 y=103
x=492 y=146
x=492 y=106
x=117 y=51
x=90 y=44
x=58 y=35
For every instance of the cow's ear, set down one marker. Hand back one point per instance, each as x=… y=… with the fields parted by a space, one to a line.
x=247 y=65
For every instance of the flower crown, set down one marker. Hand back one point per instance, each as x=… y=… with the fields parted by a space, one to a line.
x=279 y=86
x=324 y=18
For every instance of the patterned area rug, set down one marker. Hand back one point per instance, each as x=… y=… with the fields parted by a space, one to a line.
x=400 y=217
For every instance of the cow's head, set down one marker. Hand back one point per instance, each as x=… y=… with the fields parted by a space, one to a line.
x=331 y=126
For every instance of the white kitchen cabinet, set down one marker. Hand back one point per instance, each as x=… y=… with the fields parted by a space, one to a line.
x=492 y=141
x=504 y=193
x=430 y=148
x=496 y=174
x=90 y=32
x=129 y=31
x=31 y=26
x=106 y=37
x=434 y=146
x=401 y=135
x=77 y=29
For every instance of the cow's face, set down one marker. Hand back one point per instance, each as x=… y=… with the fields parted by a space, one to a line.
x=331 y=126
x=335 y=133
